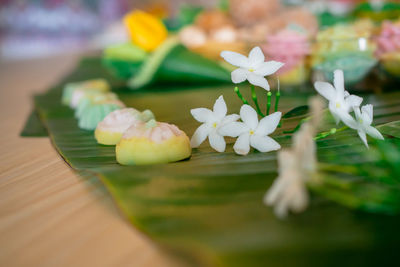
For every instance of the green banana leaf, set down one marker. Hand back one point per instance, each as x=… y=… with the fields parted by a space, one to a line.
x=391 y=128
x=33 y=126
x=189 y=67
x=179 y=67
x=120 y=68
x=208 y=210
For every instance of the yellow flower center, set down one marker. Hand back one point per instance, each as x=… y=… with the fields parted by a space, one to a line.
x=337 y=105
x=251 y=70
x=251 y=132
x=214 y=125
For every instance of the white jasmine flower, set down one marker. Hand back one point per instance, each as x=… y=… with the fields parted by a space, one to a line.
x=340 y=101
x=252 y=68
x=364 y=119
x=212 y=120
x=250 y=132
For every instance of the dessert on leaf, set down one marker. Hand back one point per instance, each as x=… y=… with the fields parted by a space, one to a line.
x=95 y=107
x=153 y=143
x=110 y=130
x=73 y=92
x=388 y=51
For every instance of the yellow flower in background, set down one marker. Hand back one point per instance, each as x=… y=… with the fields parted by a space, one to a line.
x=146 y=30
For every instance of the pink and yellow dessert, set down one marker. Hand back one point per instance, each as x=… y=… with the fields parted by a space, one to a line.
x=153 y=143
x=110 y=130
x=388 y=50
x=291 y=47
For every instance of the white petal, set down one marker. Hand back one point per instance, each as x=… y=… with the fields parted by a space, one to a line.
x=363 y=137
x=347 y=119
x=220 y=108
x=325 y=89
x=202 y=114
x=333 y=111
x=256 y=56
x=268 y=68
x=233 y=129
x=353 y=101
x=268 y=124
x=249 y=116
x=230 y=118
x=338 y=81
x=200 y=135
x=368 y=113
x=357 y=112
x=239 y=75
x=258 y=80
x=242 y=146
x=373 y=132
x=235 y=59
x=264 y=143
x=369 y=109
x=216 y=141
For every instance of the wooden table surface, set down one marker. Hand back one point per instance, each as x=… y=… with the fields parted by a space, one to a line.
x=49 y=216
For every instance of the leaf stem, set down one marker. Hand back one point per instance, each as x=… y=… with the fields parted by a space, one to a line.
x=269 y=94
x=300 y=123
x=277 y=96
x=255 y=100
x=330 y=132
x=236 y=89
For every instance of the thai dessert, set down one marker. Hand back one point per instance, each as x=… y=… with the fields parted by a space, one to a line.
x=153 y=143
x=388 y=51
x=95 y=107
x=110 y=130
x=73 y=92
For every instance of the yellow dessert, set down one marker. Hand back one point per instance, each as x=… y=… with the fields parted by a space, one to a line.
x=153 y=143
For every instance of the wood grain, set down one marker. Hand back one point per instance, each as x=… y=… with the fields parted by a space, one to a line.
x=49 y=216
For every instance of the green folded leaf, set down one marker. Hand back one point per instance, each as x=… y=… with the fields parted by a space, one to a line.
x=121 y=68
x=33 y=126
x=391 y=128
x=209 y=209
x=126 y=51
x=182 y=65
x=171 y=63
x=297 y=111
x=150 y=66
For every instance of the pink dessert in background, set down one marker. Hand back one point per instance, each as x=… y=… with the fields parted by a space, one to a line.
x=288 y=46
x=389 y=38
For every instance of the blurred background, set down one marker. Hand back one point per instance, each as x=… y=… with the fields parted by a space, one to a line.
x=38 y=28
